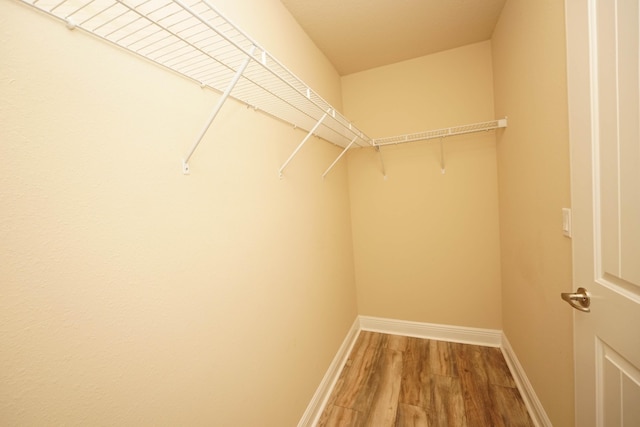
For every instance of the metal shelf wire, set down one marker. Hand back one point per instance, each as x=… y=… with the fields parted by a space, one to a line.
x=193 y=39
x=442 y=133
x=438 y=134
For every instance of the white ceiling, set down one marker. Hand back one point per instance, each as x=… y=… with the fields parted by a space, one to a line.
x=360 y=34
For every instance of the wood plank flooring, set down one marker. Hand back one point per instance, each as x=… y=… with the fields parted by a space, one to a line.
x=391 y=380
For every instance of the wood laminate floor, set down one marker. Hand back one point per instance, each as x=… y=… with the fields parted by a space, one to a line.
x=391 y=380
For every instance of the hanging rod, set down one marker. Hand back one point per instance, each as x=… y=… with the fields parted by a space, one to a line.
x=195 y=40
x=441 y=133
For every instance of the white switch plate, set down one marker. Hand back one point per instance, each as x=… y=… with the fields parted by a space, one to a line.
x=566 y=222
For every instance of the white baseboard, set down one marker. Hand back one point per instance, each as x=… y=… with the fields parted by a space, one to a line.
x=534 y=406
x=320 y=397
x=485 y=337
x=476 y=336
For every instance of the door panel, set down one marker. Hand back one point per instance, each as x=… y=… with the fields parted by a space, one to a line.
x=603 y=52
x=620 y=387
x=617 y=109
x=629 y=122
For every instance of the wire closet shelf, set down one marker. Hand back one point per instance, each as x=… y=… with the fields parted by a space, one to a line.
x=442 y=133
x=195 y=40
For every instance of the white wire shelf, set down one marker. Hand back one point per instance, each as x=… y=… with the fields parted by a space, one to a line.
x=193 y=39
x=442 y=133
x=437 y=134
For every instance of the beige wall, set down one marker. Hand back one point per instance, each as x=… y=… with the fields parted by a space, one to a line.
x=426 y=244
x=533 y=168
x=132 y=294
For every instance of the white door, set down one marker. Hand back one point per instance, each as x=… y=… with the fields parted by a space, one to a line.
x=603 y=41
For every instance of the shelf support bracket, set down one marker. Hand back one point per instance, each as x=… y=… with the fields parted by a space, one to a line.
x=217 y=108
x=384 y=172
x=339 y=157
x=442 y=167
x=306 y=138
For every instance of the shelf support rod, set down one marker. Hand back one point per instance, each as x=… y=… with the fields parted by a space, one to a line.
x=306 y=138
x=384 y=172
x=216 y=109
x=339 y=157
x=442 y=168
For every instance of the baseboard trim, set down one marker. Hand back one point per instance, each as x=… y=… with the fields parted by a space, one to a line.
x=476 y=336
x=465 y=335
x=320 y=397
x=533 y=404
